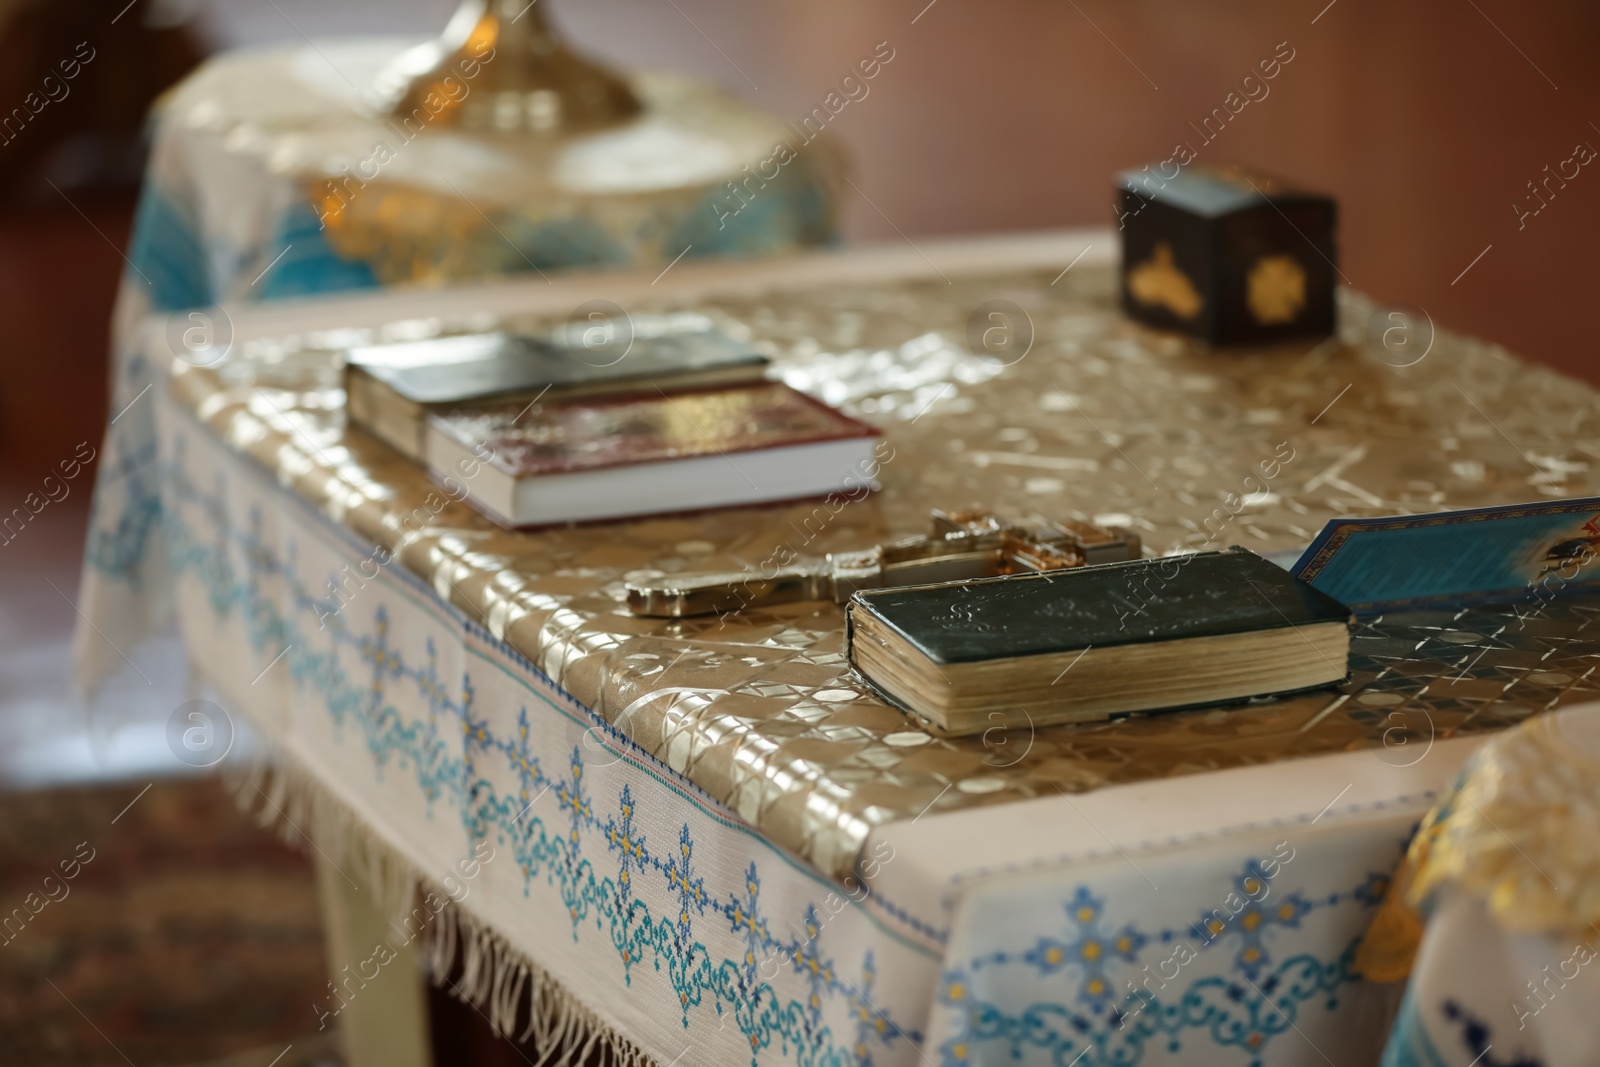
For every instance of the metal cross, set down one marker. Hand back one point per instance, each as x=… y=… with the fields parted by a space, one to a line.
x=966 y=544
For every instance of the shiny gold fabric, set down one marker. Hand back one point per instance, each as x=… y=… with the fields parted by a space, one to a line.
x=1100 y=420
x=1517 y=831
x=1520 y=832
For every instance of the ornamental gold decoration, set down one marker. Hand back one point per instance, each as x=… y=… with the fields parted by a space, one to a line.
x=1522 y=832
x=1159 y=283
x=1277 y=290
x=498 y=67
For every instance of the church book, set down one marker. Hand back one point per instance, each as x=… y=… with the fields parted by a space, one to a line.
x=391 y=389
x=1083 y=644
x=648 y=453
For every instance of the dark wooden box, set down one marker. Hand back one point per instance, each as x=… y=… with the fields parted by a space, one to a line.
x=1228 y=255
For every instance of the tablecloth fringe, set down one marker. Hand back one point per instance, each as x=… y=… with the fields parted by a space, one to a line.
x=495 y=977
x=286 y=799
x=502 y=981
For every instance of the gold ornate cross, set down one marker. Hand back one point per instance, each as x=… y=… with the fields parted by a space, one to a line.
x=966 y=544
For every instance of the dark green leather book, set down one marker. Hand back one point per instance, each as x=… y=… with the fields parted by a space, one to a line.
x=1092 y=642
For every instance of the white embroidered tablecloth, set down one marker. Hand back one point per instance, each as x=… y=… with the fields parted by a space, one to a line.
x=598 y=874
x=1192 y=921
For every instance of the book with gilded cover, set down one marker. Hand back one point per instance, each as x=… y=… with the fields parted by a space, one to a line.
x=391 y=388
x=1091 y=642
x=649 y=453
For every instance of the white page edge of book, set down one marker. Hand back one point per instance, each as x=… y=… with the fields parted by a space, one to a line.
x=698 y=483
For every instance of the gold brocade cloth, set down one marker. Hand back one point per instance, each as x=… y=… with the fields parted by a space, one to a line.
x=1100 y=420
x=1517 y=831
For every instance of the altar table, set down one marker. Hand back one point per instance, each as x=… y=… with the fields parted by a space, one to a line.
x=705 y=841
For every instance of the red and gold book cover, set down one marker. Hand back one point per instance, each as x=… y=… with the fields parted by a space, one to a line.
x=562 y=438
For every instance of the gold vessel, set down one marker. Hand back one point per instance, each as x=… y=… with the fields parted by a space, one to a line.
x=499 y=68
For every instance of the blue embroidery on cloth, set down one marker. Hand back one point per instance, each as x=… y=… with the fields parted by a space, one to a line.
x=1477 y=1039
x=555 y=849
x=118 y=549
x=166 y=253
x=1410 y=1045
x=789 y=212
x=309 y=265
x=1108 y=1027
x=549 y=244
x=1257 y=1002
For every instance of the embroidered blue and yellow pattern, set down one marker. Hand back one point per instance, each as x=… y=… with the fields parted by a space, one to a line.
x=793 y=993
x=1117 y=1009
x=596 y=859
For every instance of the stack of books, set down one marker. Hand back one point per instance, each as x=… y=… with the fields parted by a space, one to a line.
x=668 y=415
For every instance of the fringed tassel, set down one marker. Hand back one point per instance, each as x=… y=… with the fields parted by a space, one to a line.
x=494 y=975
x=497 y=976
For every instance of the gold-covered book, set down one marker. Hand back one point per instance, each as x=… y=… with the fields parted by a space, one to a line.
x=648 y=453
x=391 y=389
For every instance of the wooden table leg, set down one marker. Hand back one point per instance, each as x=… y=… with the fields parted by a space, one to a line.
x=378 y=994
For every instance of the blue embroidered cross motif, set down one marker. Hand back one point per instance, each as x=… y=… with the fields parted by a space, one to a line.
x=808 y=960
x=525 y=765
x=871 y=1022
x=686 y=953
x=1087 y=949
x=570 y=797
x=1121 y=1021
x=432 y=689
x=1372 y=891
x=1250 y=912
x=628 y=844
x=119 y=550
x=690 y=887
x=744 y=917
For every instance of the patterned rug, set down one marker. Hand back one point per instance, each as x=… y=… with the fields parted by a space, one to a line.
x=156 y=927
